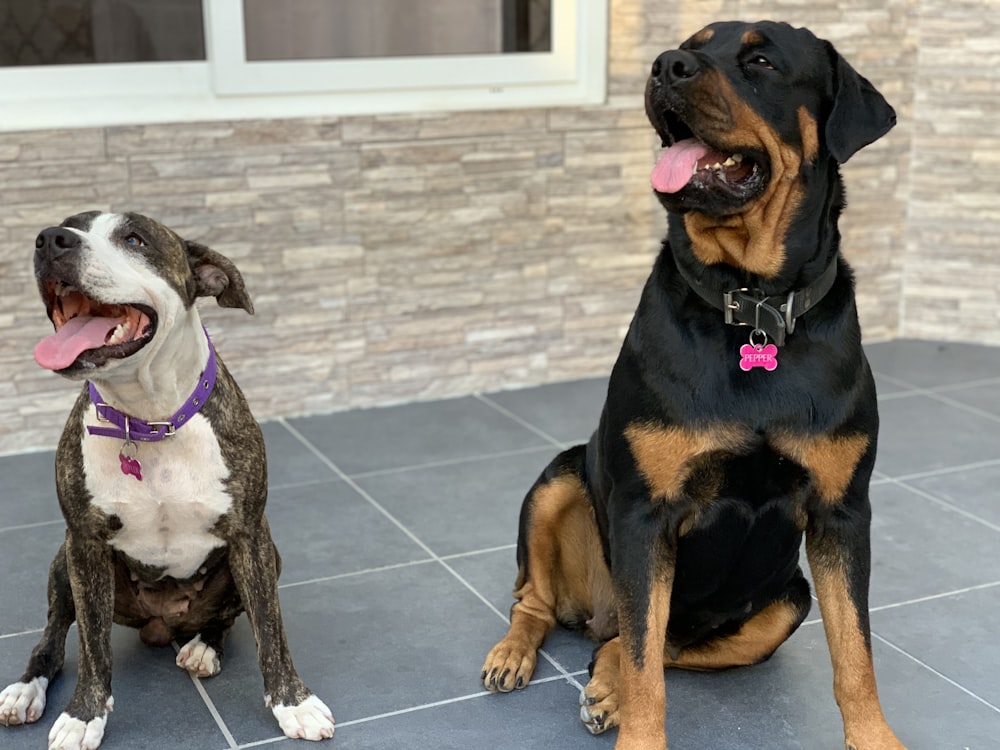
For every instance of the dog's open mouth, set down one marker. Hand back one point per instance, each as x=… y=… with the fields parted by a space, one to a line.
x=89 y=332
x=690 y=162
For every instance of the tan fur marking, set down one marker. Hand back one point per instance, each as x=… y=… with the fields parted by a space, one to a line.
x=757 y=639
x=663 y=455
x=830 y=460
x=853 y=673
x=753 y=239
x=752 y=37
x=810 y=135
x=703 y=36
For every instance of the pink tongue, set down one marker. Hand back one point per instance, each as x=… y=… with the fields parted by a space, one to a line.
x=83 y=332
x=676 y=165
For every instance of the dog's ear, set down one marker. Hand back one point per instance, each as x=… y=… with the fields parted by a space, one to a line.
x=860 y=114
x=216 y=276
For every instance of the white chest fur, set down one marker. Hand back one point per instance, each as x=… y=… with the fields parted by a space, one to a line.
x=168 y=516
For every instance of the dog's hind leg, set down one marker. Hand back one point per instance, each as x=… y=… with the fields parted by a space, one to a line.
x=560 y=564
x=24 y=701
x=755 y=640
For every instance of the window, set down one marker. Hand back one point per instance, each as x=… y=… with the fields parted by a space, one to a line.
x=80 y=32
x=66 y=63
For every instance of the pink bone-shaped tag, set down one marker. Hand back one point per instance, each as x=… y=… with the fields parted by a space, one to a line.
x=130 y=467
x=758 y=356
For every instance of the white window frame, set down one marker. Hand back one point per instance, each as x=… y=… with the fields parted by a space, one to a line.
x=226 y=86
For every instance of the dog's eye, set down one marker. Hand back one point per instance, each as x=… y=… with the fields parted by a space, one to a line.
x=761 y=62
x=134 y=240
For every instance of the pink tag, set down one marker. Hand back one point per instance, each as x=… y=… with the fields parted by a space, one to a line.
x=130 y=466
x=758 y=356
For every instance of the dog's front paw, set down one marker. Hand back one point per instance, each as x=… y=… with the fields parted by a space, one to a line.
x=599 y=706
x=75 y=734
x=198 y=658
x=509 y=665
x=310 y=720
x=23 y=702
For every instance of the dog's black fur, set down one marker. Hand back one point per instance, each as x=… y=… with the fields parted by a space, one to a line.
x=673 y=535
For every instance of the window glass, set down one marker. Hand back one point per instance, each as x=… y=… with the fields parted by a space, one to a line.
x=73 y=32
x=336 y=29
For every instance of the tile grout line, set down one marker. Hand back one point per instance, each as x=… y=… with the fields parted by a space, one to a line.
x=944 y=471
x=415 y=539
x=933 y=671
x=36 y=525
x=366 y=571
x=935 y=597
x=30 y=631
x=945 y=504
x=450 y=462
x=412 y=709
x=210 y=704
x=918 y=600
x=937 y=395
x=523 y=422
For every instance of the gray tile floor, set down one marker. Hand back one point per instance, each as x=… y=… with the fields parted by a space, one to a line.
x=397 y=528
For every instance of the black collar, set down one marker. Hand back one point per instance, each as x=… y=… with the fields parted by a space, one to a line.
x=774 y=315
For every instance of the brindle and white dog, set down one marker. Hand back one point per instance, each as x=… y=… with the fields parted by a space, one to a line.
x=169 y=537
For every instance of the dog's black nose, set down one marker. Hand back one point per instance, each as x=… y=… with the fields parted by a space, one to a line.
x=675 y=66
x=54 y=241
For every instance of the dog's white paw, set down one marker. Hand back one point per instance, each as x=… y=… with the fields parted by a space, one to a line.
x=310 y=720
x=23 y=702
x=74 y=734
x=199 y=658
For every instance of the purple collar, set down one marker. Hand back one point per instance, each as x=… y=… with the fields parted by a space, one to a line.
x=129 y=428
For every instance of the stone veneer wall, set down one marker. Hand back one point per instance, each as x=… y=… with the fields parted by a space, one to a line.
x=405 y=257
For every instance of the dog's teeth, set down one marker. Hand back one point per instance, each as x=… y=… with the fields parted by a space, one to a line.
x=119 y=334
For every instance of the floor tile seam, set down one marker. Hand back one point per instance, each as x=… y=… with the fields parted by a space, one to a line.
x=29 y=631
x=935 y=597
x=946 y=505
x=917 y=600
x=35 y=525
x=444 y=702
x=943 y=471
x=361 y=491
x=396 y=566
x=932 y=670
x=519 y=420
x=897 y=395
x=403 y=711
x=210 y=705
x=300 y=485
x=484 y=551
x=938 y=394
x=355 y=573
x=450 y=462
x=415 y=539
x=966 y=385
x=482 y=597
x=964 y=407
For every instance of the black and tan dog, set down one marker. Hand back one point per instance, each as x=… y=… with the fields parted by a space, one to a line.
x=741 y=412
x=160 y=472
